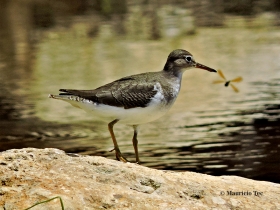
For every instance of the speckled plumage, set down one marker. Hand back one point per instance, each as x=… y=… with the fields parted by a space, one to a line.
x=132 y=91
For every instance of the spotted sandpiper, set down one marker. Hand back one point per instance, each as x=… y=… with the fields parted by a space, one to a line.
x=136 y=99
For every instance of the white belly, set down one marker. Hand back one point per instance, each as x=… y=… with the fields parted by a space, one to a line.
x=133 y=116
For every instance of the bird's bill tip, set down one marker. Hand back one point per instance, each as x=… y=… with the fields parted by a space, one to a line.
x=200 y=66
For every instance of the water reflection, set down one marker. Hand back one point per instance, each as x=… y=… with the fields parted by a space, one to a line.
x=210 y=129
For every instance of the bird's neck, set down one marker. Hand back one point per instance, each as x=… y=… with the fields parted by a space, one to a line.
x=173 y=71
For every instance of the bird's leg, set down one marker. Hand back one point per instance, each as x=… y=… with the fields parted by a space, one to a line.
x=135 y=143
x=119 y=155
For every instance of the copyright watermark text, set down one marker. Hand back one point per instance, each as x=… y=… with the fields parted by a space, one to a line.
x=241 y=193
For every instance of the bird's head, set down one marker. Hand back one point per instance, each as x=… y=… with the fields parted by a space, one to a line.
x=180 y=60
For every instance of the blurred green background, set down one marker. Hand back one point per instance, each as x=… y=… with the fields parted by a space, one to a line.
x=46 y=45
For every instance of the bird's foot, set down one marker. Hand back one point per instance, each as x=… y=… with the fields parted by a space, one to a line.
x=119 y=155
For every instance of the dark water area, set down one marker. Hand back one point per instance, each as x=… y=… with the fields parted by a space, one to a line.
x=210 y=129
x=247 y=148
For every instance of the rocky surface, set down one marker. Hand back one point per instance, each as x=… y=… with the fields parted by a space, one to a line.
x=31 y=175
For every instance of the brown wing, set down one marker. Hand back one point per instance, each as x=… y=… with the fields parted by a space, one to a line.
x=237 y=79
x=218 y=81
x=128 y=92
x=234 y=88
x=221 y=74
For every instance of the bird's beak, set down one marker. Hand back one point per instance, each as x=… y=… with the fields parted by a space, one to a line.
x=200 y=66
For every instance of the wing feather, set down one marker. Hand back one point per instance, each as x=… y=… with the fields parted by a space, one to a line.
x=128 y=92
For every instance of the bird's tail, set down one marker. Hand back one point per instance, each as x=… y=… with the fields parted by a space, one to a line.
x=59 y=97
x=73 y=100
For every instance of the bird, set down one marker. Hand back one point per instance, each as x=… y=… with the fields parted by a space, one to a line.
x=136 y=99
x=228 y=82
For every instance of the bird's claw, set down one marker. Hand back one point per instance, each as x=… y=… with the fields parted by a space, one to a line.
x=121 y=158
x=119 y=155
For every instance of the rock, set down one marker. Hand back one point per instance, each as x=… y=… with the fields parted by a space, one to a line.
x=28 y=176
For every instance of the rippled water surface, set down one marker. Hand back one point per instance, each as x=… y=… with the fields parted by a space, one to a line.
x=210 y=128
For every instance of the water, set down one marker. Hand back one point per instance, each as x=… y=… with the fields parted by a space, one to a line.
x=210 y=129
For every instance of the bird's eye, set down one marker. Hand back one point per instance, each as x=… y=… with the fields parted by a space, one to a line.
x=188 y=58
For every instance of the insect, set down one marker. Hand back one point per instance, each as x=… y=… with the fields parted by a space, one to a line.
x=228 y=82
